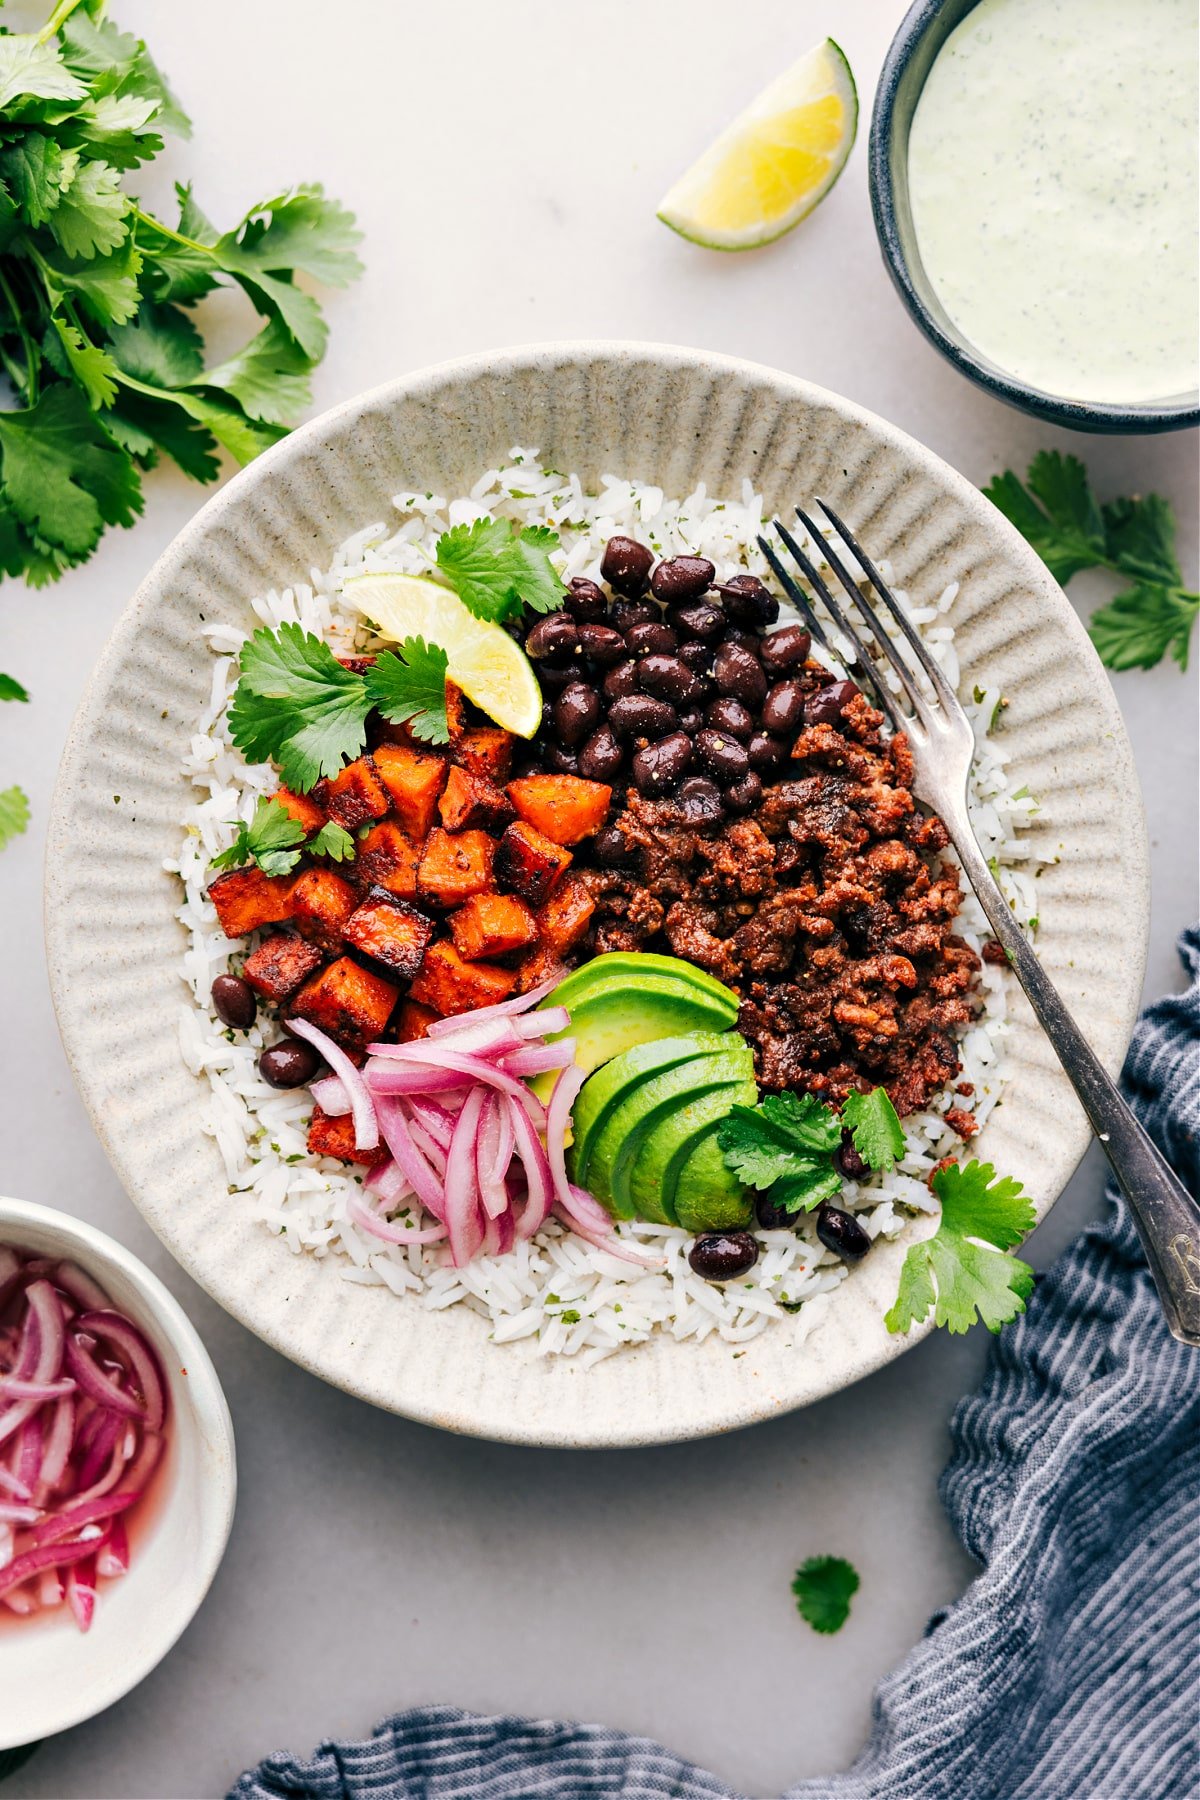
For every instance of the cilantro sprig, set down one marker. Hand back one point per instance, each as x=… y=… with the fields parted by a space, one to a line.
x=97 y=335
x=786 y=1143
x=961 y=1271
x=409 y=687
x=275 y=841
x=1057 y=512
x=824 y=1587
x=875 y=1128
x=495 y=569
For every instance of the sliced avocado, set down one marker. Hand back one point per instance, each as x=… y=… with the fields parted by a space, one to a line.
x=646 y=1106
x=627 y=969
x=615 y=1017
x=655 y=1174
x=708 y=1195
x=604 y=1091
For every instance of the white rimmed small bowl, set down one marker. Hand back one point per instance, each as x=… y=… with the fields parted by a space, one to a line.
x=52 y=1675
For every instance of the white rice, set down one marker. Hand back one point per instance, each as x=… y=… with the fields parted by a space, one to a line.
x=574 y=1299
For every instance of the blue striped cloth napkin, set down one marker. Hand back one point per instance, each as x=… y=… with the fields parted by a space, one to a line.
x=1068 y=1671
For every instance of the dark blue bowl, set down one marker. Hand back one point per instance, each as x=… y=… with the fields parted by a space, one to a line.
x=926 y=27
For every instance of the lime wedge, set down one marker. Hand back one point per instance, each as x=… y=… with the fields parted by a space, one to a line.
x=482 y=659
x=775 y=162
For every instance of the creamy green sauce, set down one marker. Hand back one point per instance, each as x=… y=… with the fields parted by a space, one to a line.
x=1053 y=175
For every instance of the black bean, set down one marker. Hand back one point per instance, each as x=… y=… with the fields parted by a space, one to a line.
x=728 y=714
x=552 y=679
x=682 y=578
x=601 y=756
x=697 y=656
x=722 y=755
x=552 y=636
x=827 y=705
x=289 y=1065
x=766 y=752
x=783 y=708
x=723 y=1255
x=561 y=760
x=841 y=1232
x=770 y=1216
x=690 y=719
x=234 y=1002
x=637 y=715
x=586 y=602
x=701 y=620
x=652 y=638
x=659 y=766
x=621 y=681
x=744 y=794
x=612 y=849
x=626 y=565
x=699 y=802
x=547 y=724
x=784 y=649
x=576 y=713
x=668 y=678
x=851 y=1164
x=747 y=640
x=740 y=674
x=625 y=614
x=747 y=602
x=604 y=645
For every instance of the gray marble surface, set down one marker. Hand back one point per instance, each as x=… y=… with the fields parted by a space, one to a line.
x=505 y=163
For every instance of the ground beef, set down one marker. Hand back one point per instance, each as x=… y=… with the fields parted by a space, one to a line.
x=828 y=911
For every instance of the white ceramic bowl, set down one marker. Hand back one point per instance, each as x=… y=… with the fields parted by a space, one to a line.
x=52 y=1675
x=675 y=417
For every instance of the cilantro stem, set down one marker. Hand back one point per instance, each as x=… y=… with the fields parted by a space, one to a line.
x=57 y=20
x=31 y=377
x=176 y=237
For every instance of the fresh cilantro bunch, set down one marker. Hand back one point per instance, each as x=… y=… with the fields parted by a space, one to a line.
x=786 y=1144
x=97 y=334
x=1057 y=512
x=274 y=840
x=961 y=1270
x=824 y=1587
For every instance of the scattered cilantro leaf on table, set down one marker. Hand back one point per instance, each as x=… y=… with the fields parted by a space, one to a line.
x=408 y=686
x=824 y=1587
x=295 y=705
x=495 y=569
x=107 y=371
x=1056 y=511
x=962 y=1271
x=272 y=839
x=14 y=814
x=874 y=1124
x=11 y=689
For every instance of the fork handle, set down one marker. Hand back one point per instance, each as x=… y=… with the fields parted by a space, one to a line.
x=1166 y=1214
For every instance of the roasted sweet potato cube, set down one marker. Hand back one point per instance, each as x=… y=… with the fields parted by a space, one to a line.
x=410 y=1021
x=491 y=925
x=335 y=1137
x=301 y=807
x=538 y=965
x=413 y=779
x=349 y=1002
x=565 y=917
x=389 y=932
x=388 y=858
x=486 y=750
x=563 y=808
x=455 y=866
x=456 y=711
x=450 y=985
x=529 y=864
x=473 y=803
x=246 y=899
x=354 y=797
x=280 y=964
x=321 y=904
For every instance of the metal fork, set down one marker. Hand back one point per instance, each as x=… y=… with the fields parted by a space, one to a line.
x=943 y=747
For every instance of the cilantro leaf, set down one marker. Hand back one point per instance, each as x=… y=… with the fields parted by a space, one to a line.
x=63 y=475
x=271 y=839
x=268 y=376
x=14 y=814
x=30 y=70
x=92 y=215
x=11 y=689
x=409 y=687
x=36 y=169
x=494 y=569
x=786 y=1144
x=333 y=841
x=961 y=1270
x=92 y=367
x=296 y=705
x=824 y=1587
x=1135 y=537
x=160 y=347
x=875 y=1127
